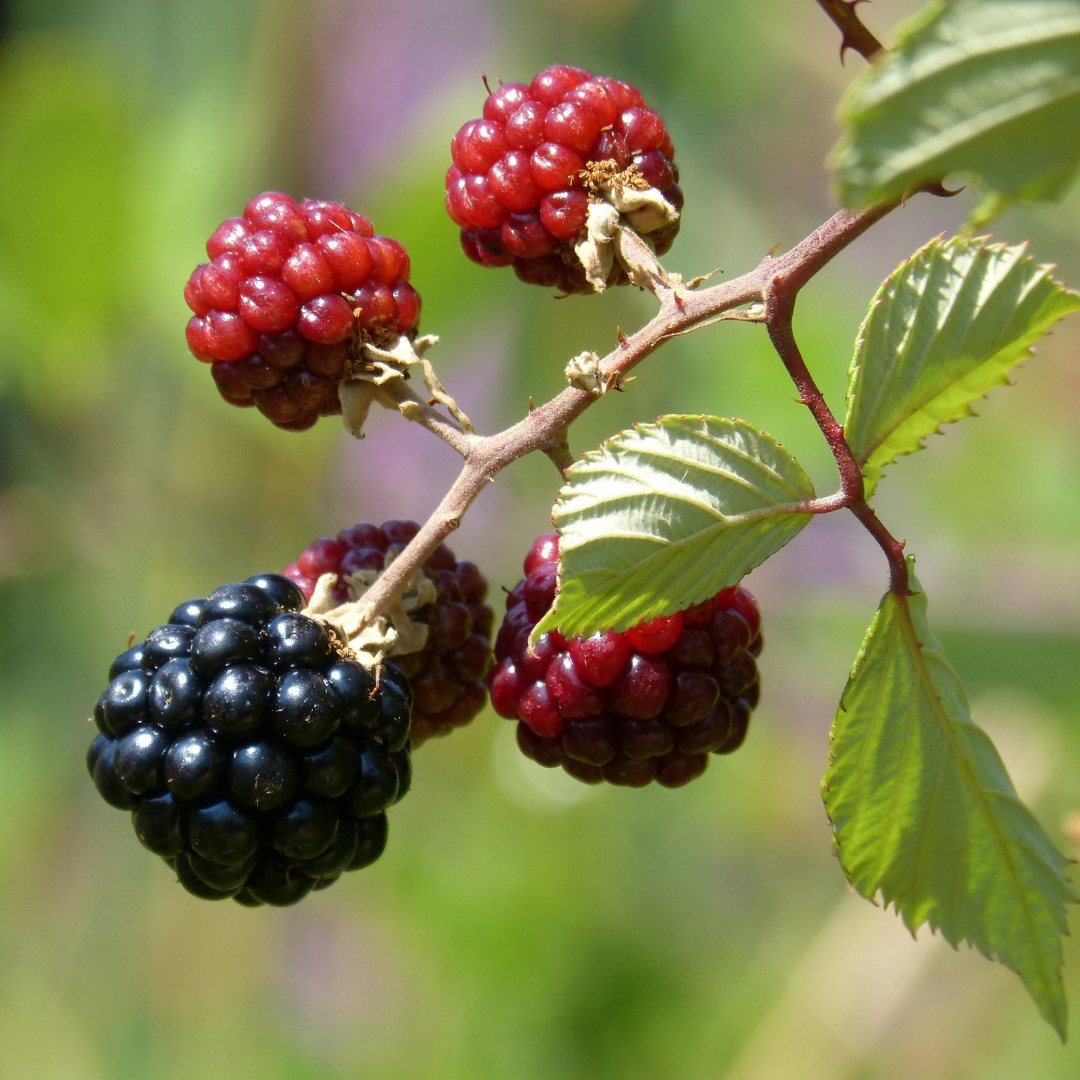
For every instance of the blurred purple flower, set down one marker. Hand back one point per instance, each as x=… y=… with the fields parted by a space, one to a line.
x=381 y=65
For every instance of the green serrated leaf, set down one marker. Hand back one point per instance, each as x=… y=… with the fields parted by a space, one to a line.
x=942 y=331
x=990 y=88
x=924 y=813
x=665 y=515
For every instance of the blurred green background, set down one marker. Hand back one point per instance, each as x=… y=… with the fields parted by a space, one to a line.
x=520 y=925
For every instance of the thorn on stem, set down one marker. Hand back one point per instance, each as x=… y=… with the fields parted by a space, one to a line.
x=936 y=187
x=772 y=251
x=531 y=405
x=621 y=336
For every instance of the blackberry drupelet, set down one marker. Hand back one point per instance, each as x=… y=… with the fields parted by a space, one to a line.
x=255 y=755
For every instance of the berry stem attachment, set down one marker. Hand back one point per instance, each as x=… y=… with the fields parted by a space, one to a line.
x=398 y=394
x=775 y=281
x=856 y=35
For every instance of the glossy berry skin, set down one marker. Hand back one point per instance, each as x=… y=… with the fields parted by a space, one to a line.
x=515 y=187
x=256 y=759
x=442 y=684
x=646 y=705
x=291 y=291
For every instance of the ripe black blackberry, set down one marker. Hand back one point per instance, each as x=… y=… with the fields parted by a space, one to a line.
x=648 y=704
x=447 y=673
x=256 y=756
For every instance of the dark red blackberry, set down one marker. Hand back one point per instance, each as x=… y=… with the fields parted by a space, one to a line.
x=255 y=754
x=518 y=185
x=447 y=675
x=290 y=293
x=648 y=704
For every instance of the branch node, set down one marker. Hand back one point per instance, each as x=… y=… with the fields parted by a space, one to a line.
x=583 y=372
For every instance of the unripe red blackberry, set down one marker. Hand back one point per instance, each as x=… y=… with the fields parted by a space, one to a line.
x=291 y=292
x=256 y=755
x=648 y=704
x=517 y=187
x=448 y=673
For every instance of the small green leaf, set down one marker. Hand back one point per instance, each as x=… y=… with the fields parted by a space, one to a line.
x=667 y=514
x=924 y=813
x=943 y=330
x=990 y=88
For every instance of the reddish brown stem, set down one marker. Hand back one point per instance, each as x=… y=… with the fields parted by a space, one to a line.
x=779 y=309
x=856 y=35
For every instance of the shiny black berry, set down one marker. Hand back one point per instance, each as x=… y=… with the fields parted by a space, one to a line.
x=175 y=698
x=195 y=884
x=394 y=719
x=329 y=772
x=278 y=881
x=295 y=639
x=402 y=760
x=234 y=703
x=393 y=675
x=98 y=747
x=128 y=660
x=165 y=643
x=158 y=825
x=187 y=613
x=370 y=840
x=138 y=758
x=376 y=785
x=262 y=776
x=355 y=685
x=124 y=701
x=248 y=603
x=280 y=589
x=192 y=764
x=305 y=829
x=223 y=878
x=225 y=641
x=338 y=854
x=246 y=749
x=108 y=783
x=223 y=834
x=306 y=709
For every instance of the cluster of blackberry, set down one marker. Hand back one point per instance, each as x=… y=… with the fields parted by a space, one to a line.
x=255 y=755
x=517 y=185
x=648 y=704
x=447 y=674
x=282 y=305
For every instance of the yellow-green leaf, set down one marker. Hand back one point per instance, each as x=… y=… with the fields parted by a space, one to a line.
x=924 y=813
x=665 y=515
x=942 y=331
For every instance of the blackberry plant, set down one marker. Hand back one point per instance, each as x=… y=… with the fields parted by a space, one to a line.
x=259 y=745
